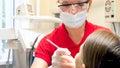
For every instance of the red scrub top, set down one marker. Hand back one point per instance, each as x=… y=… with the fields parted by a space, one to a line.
x=60 y=37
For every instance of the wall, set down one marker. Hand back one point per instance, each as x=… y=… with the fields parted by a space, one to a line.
x=45 y=6
x=42 y=27
x=96 y=14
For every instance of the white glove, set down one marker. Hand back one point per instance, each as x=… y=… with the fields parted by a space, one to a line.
x=62 y=59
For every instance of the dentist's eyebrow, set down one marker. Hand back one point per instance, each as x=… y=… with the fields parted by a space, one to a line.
x=53 y=43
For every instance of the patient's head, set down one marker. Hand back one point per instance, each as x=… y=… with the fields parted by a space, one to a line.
x=100 y=50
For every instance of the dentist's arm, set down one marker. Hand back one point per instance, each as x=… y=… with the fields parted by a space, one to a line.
x=39 y=63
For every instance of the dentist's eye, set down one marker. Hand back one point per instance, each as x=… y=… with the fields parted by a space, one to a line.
x=64 y=5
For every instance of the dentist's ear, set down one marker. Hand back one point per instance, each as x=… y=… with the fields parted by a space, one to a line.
x=90 y=2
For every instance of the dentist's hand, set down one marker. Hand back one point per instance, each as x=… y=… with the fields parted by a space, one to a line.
x=62 y=59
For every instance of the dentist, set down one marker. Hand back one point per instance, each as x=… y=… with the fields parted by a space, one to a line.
x=69 y=36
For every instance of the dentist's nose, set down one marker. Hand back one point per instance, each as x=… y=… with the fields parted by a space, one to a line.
x=73 y=9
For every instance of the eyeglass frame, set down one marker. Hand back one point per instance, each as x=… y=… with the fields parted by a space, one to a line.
x=65 y=5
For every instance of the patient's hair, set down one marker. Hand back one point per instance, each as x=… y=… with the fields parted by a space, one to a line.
x=102 y=50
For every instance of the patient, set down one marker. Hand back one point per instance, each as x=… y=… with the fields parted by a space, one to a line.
x=100 y=50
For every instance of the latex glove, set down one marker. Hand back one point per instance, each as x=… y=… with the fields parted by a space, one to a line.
x=62 y=59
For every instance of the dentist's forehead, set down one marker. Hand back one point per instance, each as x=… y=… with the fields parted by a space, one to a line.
x=72 y=0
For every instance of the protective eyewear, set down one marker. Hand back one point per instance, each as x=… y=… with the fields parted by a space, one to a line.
x=81 y=4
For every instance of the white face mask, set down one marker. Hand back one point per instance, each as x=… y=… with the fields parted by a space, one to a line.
x=73 y=21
